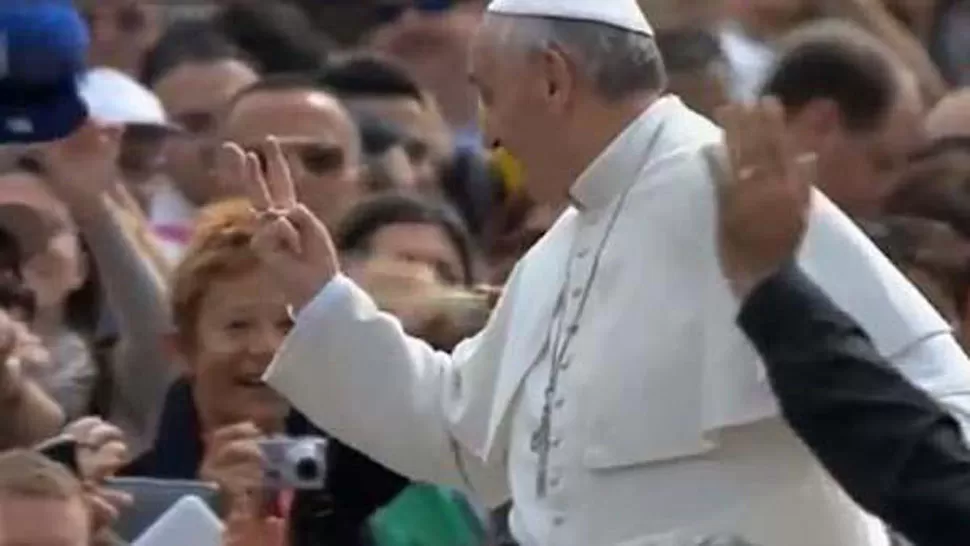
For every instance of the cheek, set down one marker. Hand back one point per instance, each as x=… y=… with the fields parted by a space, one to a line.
x=214 y=368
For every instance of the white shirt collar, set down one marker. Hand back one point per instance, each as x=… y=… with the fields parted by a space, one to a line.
x=618 y=166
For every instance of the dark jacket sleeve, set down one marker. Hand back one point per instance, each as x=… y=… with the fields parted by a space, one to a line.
x=889 y=445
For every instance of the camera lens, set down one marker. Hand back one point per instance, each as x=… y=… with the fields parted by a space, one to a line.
x=307 y=470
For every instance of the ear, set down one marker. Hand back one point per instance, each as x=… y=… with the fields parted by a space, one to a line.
x=560 y=78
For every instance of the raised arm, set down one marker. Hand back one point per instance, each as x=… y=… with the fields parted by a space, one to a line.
x=886 y=442
x=82 y=170
x=352 y=370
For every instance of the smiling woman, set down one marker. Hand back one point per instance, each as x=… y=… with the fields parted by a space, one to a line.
x=230 y=318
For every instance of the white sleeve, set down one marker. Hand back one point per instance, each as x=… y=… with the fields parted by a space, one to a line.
x=939 y=366
x=353 y=372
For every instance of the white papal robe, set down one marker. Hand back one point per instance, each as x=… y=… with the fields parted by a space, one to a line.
x=662 y=425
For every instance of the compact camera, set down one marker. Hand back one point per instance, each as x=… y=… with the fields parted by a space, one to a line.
x=294 y=463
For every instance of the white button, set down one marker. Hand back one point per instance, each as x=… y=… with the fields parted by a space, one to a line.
x=560 y=403
x=577 y=292
x=582 y=253
x=554 y=482
x=558 y=521
x=573 y=328
x=556 y=442
x=565 y=363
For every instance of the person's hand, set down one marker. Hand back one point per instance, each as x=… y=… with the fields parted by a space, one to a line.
x=292 y=242
x=234 y=462
x=102 y=450
x=21 y=353
x=247 y=526
x=402 y=288
x=764 y=194
x=83 y=167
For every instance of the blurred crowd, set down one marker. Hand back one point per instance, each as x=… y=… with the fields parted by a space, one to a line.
x=131 y=294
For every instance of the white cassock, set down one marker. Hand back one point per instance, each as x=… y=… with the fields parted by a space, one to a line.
x=661 y=426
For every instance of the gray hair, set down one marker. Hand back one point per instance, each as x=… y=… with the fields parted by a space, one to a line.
x=616 y=61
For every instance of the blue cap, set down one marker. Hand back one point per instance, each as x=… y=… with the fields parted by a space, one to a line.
x=43 y=44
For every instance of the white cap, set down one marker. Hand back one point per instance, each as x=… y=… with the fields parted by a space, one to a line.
x=625 y=14
x=114 y=97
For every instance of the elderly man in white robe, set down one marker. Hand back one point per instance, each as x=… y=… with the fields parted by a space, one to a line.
x=610 y=395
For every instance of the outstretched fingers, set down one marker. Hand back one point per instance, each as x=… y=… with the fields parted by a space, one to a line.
x=234 y=170
x=278 y=176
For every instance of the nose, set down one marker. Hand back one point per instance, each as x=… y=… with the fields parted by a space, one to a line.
x=264 y=340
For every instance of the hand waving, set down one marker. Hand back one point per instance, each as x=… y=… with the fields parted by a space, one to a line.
x=764 y=194
x=83 y=167
x=292 y=242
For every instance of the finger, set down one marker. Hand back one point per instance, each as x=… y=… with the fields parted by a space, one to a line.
x=104 y=462
x=279 y=177
x=103 y=433
x=108 y=460
x=239 y=479
x=777 y=155
x=117 y=499
x=752 y=150
x=102 y=511
x=311 y=228
x=232 y=433
x=241 y=451
x=286 y=234
x=729 y=119
x=255 y=177
x=82 y=427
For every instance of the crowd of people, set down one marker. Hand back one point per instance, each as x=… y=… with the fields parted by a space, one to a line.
x=197 y=265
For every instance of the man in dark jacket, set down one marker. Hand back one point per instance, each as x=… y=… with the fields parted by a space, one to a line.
x=891 y=447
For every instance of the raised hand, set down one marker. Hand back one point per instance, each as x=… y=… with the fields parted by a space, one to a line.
x=292 y=242
x=233 y=461
x=764 y=193
x=83 y=167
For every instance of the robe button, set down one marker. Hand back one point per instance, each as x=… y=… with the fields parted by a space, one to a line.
x=582 y=253
x=577 y=292
x=558 y=521
x=559 y=403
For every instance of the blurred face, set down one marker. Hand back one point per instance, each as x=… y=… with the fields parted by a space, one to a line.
x=394 y=168
x=55 y=272
x=28 y=521
x=704 y=91
x=769 y=16
x=242 y=321
x=529 y=118
x=121 y=32
x=426 y=244
x=195 y=95
x=430 y=143
x=859 y=170
x=319 y=137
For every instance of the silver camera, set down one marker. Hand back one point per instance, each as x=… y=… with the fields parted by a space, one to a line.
x=295 y=463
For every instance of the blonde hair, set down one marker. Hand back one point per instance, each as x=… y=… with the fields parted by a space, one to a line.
x=220 y=249
x=25 y=473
